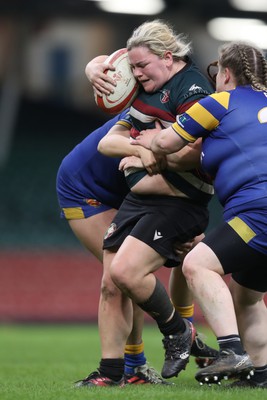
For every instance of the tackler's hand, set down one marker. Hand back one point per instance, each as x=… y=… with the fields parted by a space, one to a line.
x=183 y=248
x=145 y=138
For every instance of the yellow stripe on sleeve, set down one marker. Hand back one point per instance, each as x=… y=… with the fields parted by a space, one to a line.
x=203 y=117
x=178 y=129
x=124 y=124
x=242 y=229
x=222 y=98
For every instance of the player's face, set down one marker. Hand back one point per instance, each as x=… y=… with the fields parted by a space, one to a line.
x=149 y=69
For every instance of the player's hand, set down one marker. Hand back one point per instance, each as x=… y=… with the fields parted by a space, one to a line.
x=183 y=248
x=153 y=163
x=145 y=137
x=102 y=84
x=130 y=161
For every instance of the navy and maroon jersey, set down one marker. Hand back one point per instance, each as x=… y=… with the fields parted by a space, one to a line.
x=184 y=89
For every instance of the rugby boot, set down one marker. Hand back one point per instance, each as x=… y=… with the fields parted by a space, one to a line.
x=227 y=365
x=145 y=375
x=177 y=351
x=204 y=355
x=248 y=384
x=97 y=379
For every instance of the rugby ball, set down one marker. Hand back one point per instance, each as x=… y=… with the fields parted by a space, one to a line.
x=127 y=86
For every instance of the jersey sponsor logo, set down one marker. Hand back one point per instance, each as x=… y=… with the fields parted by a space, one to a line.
x=93 y=202
x=112 y=228
x=195 y=89
x=165 y=96
x=157 y=235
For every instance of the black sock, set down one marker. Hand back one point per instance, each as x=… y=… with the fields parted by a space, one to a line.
x=113 y=368
x=260 y=374
x=158 y=305
x=232 y=342
x=173 y=326
x=160 y=308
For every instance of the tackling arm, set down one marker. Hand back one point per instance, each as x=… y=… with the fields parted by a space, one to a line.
x=117 y=144
x=165 y=141
x=185 y=159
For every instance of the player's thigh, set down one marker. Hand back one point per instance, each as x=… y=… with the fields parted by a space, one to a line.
x=244 y=296
x=135 y=259
x=201 y=258
x=90 y=231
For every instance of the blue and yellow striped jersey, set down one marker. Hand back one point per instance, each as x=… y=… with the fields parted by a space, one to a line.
x=233 y=126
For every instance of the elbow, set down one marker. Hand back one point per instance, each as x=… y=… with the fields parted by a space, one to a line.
x=87 y=71
x=101 y=147
x=159 y=146
x=162 y=145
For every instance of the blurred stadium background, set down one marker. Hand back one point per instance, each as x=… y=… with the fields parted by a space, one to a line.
x=47 y=107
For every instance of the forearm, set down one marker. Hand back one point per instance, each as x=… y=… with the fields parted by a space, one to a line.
x=185 y=159
x=167 y=142
x=117 y=146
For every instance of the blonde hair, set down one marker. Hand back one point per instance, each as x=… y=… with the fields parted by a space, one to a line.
x=159 y=37
x=247 y=63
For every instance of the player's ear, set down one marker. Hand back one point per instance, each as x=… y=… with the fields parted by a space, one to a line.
x=227 y=75
x=168 y=56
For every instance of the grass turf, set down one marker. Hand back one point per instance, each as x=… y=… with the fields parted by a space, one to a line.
x=42 y=362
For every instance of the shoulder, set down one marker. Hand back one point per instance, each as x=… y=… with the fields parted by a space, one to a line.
x=222 y=98
x=192 y=85
x=216 y=104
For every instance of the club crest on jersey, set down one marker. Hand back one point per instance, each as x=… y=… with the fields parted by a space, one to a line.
x=93 y=202
x=112 y=228
x=165 y=96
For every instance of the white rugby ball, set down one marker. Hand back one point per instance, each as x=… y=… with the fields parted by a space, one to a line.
x=127 y=86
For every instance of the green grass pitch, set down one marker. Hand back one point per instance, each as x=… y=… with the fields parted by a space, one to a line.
x=42 y=362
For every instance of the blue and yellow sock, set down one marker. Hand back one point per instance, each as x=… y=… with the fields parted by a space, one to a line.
x=134 y=356
x=186 y=312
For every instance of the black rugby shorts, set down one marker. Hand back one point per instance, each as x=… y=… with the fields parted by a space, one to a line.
x=248 y=266
x=158 y=221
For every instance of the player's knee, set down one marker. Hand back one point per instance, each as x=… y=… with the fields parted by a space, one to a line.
x=120 y=275
x=188 y=268
x=108 y=288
